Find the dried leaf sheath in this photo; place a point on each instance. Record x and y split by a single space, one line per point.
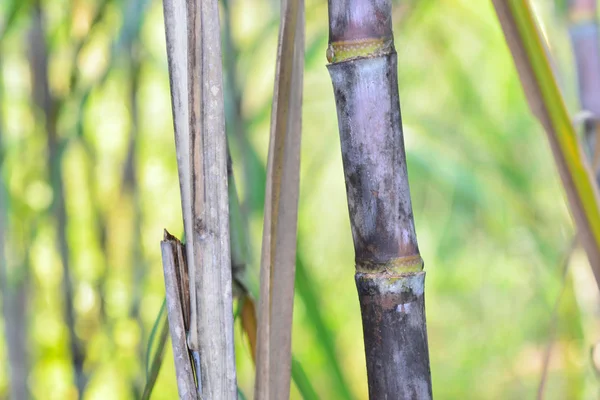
173 262
177 55
176 29
389 274
281 208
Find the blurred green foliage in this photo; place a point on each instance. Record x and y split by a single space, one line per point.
490 212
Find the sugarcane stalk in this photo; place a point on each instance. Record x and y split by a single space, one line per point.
583 31
389 268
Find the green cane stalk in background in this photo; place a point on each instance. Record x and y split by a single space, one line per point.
389 269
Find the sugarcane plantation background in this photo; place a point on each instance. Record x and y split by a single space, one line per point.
89 181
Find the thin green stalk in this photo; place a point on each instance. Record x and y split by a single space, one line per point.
302 382
554 318
157 359
160 320
547 104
